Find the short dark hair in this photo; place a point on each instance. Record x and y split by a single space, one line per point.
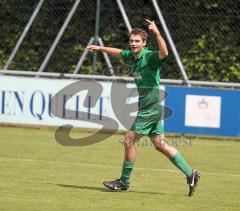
139 31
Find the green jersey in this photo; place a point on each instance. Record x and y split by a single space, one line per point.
146 72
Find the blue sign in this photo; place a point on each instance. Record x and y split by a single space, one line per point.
203 111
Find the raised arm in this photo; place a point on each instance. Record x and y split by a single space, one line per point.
163 53
111 51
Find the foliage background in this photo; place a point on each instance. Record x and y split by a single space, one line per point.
206 34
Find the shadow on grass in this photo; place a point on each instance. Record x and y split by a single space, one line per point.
106 190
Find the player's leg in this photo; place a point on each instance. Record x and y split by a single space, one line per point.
128 164
130 155
162 146
130 139
177 159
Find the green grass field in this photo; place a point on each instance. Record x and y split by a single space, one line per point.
37 173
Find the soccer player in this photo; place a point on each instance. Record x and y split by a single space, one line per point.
146 65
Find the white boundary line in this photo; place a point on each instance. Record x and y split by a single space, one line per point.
106 166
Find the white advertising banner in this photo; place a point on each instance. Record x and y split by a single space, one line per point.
26 100
203 111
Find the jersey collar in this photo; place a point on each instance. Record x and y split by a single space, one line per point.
142 53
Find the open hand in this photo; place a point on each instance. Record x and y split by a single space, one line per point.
93 48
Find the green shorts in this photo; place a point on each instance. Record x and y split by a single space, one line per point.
148 123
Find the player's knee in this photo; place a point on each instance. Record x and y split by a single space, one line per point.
160 145
129 139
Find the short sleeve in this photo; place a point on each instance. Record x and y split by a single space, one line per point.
127 55
155 61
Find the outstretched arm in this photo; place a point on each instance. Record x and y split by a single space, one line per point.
111 51
161 42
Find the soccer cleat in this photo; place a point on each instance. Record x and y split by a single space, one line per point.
192 181
115 185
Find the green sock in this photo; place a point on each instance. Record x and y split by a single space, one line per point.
127 168
179 161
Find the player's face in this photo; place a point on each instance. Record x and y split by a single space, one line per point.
136 43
